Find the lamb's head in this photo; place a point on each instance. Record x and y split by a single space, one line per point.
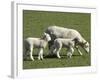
46 36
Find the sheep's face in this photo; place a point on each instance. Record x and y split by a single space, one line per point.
47 36
86 47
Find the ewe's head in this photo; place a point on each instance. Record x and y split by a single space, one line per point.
46 36
86 47
84 44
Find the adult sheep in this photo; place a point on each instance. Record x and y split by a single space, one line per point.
61 32
39 43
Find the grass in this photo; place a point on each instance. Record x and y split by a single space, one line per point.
34 24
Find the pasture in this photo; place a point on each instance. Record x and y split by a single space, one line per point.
35 23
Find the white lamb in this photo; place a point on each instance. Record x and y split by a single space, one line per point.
63 43
61 32
39 43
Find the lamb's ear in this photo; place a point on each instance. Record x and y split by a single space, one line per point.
44 33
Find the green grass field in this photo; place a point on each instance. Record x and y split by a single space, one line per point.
34 24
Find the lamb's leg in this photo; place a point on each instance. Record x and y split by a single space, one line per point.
70 52
31 50
25 54
57 52
77 48
40 56
25 51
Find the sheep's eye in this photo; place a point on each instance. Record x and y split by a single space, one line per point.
86 46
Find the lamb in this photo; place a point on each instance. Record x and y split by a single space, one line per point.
39 43
63 43
61 32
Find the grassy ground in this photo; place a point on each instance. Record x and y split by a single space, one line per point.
34 24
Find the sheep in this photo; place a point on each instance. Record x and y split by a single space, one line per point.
61 32
39 43
63 43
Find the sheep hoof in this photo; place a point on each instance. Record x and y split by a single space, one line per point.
69 56
32 59
59 57
42 59
81 54
39 58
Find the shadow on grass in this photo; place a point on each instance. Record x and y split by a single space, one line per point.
28 58
48 57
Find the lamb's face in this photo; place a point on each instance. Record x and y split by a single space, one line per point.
47 36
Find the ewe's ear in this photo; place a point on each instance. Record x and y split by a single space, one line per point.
75 39
85 43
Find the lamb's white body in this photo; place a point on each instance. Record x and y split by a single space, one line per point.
60 43
39 43
60 32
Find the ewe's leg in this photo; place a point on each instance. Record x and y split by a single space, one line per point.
72 50
50 43
31 50
58 48
53 49
79 50
40 56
